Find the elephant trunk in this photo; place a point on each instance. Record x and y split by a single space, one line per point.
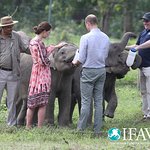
125 39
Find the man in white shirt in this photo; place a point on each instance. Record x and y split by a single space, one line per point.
93 51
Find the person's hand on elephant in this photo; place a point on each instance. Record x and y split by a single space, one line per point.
53 47
73 65
75 62
61 44
50 48
76 57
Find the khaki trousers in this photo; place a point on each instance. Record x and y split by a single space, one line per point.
145 89
11 86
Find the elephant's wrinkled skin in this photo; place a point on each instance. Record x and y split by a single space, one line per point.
116 68
61 73
61 85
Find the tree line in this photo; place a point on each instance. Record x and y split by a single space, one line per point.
115 16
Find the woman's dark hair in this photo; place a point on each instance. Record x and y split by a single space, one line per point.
41 27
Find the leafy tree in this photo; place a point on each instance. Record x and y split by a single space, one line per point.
115 16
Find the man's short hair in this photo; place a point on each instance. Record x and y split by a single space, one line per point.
92 19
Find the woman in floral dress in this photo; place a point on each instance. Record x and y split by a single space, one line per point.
40 80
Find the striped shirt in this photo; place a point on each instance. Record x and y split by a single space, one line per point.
93 49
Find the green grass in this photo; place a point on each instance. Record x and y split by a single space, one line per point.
128 115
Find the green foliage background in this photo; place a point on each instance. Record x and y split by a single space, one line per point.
69 14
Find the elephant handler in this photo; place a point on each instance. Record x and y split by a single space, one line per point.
11 45
145 65
93 50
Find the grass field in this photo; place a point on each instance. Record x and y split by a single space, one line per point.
128 115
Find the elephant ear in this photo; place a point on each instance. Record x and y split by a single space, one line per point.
114 51
52 61
137 62
116 48
25 38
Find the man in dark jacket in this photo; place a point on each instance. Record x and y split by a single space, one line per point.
145 65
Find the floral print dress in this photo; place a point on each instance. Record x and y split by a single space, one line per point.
40 80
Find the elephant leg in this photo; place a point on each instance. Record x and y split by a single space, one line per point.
110 95
73 104
49 115
103 110
112 104
89 121
74 100
78 97
19 104
64 109
79 105
22 114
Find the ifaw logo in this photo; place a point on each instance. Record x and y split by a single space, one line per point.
114 134
130 134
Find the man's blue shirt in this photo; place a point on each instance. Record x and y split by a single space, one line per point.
93 49
144 53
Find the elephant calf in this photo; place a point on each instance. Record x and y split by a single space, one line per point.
61 85
115 68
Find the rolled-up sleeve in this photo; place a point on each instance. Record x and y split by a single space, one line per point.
83 49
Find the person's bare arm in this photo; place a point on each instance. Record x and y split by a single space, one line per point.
130 46
143 46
